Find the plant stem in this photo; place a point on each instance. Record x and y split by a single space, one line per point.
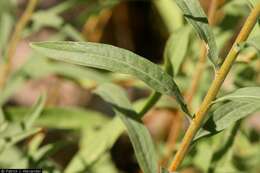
152 100
176 126
6 66
214 88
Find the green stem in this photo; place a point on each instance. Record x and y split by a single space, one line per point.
152 100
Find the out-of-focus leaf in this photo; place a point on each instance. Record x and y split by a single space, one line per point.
10 156
94 145
176 47
46 151
46 19
252 3
227 114
223 149
253 42
113 59
104 164
163 170
195 15
17 131
6 6
242 94
85 76
15 81
139 135
25 124
170 13
14 138
2 117
34 113
62 118
71 32
35 143
6 23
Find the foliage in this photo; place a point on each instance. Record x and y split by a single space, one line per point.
224 142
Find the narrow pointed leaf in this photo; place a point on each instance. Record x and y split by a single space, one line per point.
95 145
58 117
176 47
195 15
242 94
226 115
113 59
138 133
34 113
253 42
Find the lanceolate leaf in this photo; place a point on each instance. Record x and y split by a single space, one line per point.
95 144
113 59
226 115
254 42
139 135
243 94
195 15
34 113
6 23
17 131
176 47
58 118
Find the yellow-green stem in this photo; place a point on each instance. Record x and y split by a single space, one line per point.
196 79
214 88
6 66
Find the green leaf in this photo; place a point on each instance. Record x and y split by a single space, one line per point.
104 164
242 102
227 114
94 145
176 47
62 118
242 94
195 15
163 170
35 143
6 23
15 131
253 42
223 149
42 19
2 117
114 59
139 135
35 112
170 14
252 3
79 74
15 81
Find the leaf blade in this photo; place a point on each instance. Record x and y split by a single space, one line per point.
176 47
195 15
139 135
114 59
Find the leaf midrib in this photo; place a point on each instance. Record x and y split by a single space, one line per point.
114 59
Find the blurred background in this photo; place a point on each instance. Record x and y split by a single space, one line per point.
74 117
